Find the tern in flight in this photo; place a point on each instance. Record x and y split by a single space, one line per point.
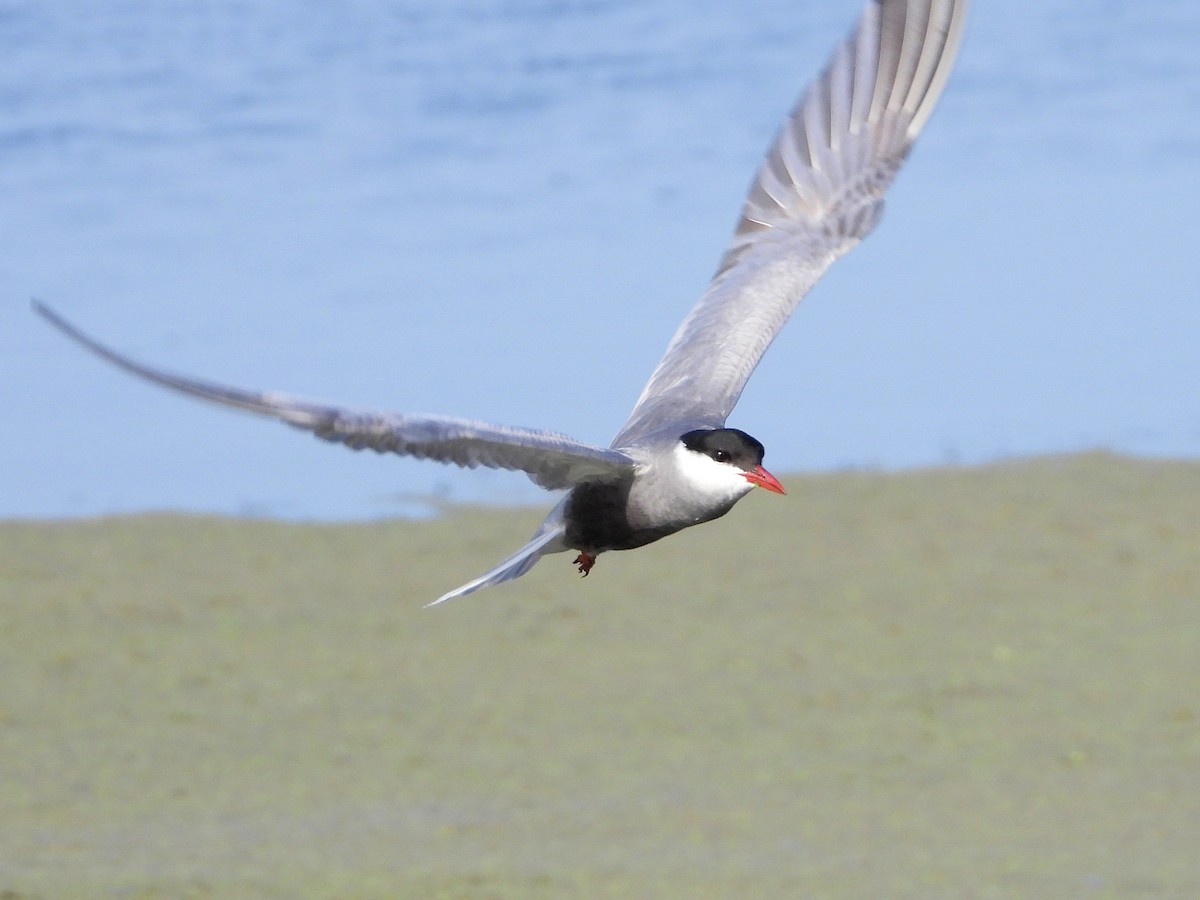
674 463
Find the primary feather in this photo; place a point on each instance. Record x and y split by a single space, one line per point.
818 192
552 460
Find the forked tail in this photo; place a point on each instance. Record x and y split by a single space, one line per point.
548 539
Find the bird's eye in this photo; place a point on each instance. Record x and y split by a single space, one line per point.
722 455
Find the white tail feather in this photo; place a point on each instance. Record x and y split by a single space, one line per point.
548 539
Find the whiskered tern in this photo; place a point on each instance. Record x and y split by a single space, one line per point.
674 463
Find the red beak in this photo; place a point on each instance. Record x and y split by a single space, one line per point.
764 479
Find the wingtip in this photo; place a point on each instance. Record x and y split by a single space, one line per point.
54 319
41 309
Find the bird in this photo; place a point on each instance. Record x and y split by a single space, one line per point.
675 463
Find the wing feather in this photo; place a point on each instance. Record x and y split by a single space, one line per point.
552 460
818 192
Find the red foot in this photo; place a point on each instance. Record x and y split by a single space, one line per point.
585 561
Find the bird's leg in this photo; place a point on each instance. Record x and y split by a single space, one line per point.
585 561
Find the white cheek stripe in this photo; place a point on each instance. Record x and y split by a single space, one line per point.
708 477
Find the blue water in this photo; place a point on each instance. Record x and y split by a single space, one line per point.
502 208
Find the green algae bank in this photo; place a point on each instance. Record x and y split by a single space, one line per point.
974 682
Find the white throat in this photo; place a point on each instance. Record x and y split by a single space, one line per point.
713 481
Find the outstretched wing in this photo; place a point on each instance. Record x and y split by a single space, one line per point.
818 192
552 460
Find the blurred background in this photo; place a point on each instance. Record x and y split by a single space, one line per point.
503 209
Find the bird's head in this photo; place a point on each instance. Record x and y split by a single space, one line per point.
724 461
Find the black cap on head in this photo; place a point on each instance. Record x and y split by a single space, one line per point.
728 445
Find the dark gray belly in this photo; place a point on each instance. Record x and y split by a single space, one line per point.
597 519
